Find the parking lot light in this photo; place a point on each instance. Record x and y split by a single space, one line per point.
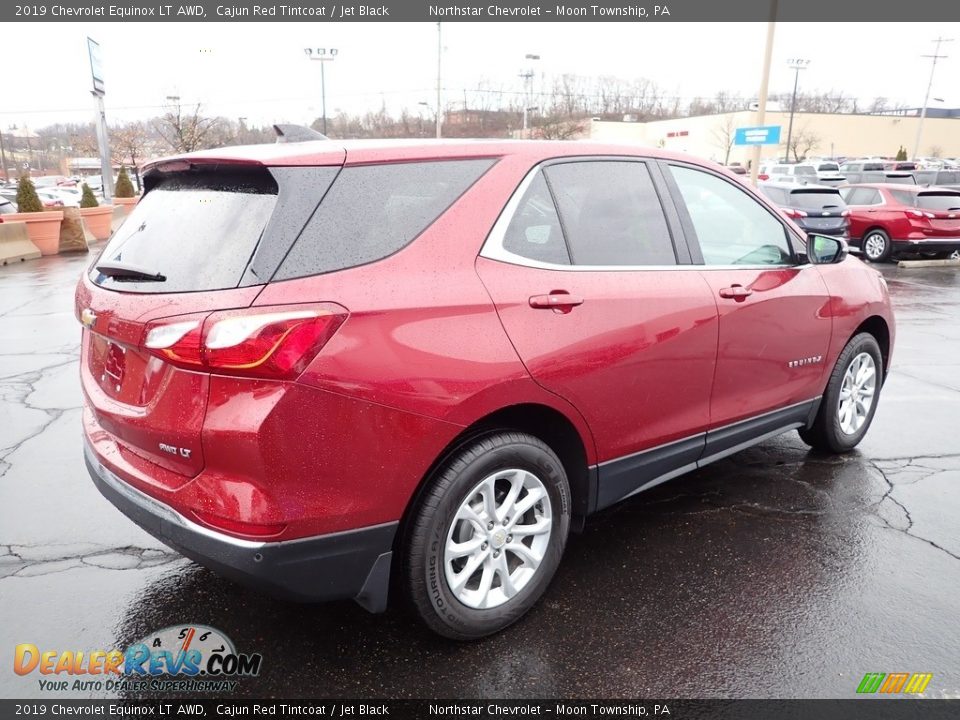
796 64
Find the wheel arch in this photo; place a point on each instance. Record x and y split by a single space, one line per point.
536 419
880 330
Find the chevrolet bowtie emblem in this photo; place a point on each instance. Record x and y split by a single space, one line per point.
88 317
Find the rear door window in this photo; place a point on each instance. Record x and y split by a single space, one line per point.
372 211
197 229
611 213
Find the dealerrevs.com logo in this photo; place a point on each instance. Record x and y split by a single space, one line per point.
180 658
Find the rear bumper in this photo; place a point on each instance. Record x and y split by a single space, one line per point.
352 564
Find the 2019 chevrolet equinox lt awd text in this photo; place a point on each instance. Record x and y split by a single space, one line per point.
320 367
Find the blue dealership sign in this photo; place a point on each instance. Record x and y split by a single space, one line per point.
762 135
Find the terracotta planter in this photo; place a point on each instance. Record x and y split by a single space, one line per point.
98 220
130 202
42 227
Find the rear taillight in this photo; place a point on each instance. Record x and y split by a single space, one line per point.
845 213
919 214
791 213
274 342
763 176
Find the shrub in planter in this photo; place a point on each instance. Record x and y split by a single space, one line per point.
27 199
124 187
88 199
43 226
98 218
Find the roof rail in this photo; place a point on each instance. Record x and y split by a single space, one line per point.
296 133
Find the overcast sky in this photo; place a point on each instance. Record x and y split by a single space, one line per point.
259 70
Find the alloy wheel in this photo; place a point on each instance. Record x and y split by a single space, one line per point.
498 538
856 393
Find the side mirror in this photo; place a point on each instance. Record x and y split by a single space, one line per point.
826 250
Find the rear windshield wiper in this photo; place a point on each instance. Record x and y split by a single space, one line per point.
124 271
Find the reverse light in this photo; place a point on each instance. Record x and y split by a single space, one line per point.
178 342
277 342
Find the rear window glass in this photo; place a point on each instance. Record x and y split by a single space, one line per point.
805 170
941 201
815 199
197 229
901 179
828 167
373 211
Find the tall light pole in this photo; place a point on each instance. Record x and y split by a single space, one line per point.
796 64
439 77
3 159
926 98
324 55
764 84
527 76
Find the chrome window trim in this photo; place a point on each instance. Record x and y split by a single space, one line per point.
493 246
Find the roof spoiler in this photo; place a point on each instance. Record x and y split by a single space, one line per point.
296 133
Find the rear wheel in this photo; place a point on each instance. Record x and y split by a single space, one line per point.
876 245
848 405
487 535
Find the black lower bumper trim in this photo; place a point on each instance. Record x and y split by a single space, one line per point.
352 564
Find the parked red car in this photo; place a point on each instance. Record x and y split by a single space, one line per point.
887 220
318 366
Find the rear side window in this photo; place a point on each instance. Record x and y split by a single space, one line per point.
903 197
372 211
198 229
611 213
534 231
777 195
862 196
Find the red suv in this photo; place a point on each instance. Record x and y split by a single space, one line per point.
319 367
886 220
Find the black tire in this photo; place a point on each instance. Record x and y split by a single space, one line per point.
425 538
879 237
826 434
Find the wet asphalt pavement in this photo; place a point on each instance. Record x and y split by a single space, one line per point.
774 573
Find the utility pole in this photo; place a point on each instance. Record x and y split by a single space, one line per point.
926 98
764 85
797 64
527 76
439 78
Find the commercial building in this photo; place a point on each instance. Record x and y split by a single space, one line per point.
814 134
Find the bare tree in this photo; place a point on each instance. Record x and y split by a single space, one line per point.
723 136
804 140
129 144
186 130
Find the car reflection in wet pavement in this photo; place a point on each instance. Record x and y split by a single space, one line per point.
773 573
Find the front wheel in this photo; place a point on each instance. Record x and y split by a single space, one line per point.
487 535
848 405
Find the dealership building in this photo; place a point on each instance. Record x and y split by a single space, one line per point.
819 134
